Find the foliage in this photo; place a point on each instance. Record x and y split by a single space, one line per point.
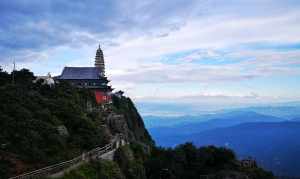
30 114
24 76
131 167
188 161
258 173
4 77
96 170
5 168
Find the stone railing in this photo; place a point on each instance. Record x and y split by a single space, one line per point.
55 169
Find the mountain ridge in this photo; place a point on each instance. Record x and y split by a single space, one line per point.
229 119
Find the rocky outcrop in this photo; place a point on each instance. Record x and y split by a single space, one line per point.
126 120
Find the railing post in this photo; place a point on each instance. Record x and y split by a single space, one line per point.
83 156
117 144
122 142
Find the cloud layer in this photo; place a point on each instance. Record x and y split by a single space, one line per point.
163 48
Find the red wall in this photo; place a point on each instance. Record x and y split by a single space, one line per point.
102 97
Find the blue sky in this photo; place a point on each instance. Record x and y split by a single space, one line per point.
197 52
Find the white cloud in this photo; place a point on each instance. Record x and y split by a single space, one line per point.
207 33
141 33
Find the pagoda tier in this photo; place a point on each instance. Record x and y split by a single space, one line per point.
99 61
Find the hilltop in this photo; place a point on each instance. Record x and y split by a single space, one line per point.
41 125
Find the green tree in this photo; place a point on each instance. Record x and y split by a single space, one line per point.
4 77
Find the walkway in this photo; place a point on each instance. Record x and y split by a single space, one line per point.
58 170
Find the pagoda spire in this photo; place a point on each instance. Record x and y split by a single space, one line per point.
99 60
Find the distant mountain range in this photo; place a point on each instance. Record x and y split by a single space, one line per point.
162 134
273 140
167 121
284 112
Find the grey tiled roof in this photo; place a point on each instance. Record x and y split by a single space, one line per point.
80 73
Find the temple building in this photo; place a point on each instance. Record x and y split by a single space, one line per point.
92 78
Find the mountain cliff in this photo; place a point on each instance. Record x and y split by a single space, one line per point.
42 125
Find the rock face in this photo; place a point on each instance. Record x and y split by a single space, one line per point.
62 130
117 123
128 121
124 118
